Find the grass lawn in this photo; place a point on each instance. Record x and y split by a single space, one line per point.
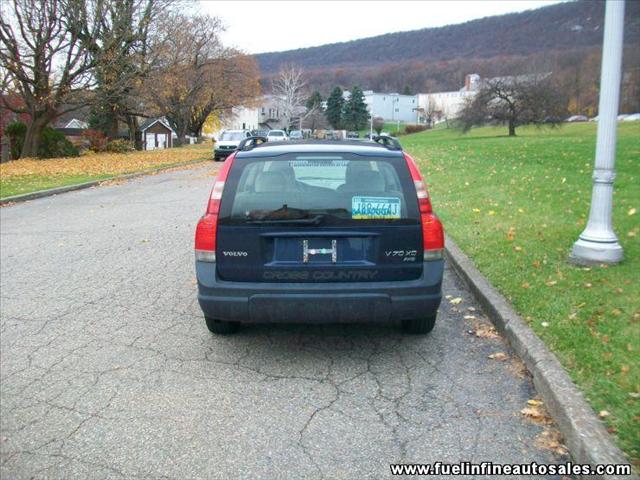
515 206
30 175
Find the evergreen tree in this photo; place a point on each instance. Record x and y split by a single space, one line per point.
314 101
355 111
335 105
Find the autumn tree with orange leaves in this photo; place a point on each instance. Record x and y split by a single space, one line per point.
195 74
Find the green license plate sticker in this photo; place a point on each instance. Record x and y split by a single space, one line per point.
375 207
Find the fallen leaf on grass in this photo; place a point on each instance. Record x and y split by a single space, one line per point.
500 356
632 211
100 163
526 285
603 414
551 283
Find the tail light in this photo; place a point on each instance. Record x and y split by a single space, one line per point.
432 231
205 244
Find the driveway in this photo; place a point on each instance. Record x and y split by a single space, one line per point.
108 371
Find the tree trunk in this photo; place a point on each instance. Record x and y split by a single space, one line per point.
132 124
512 128
33 136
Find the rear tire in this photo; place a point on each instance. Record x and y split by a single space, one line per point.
221 327
419 326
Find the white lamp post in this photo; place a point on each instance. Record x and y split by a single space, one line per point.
598 243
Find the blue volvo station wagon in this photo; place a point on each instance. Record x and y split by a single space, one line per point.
319 232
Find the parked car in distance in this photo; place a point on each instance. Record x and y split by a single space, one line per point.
634 117
296 135
260 133
277 136
228 142
577 118
319 232
353 135
330 135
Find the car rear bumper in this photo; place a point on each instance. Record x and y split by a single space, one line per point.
343 302
222 153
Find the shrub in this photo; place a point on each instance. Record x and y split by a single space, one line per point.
16 132
119 145
414 128
54 144
95 139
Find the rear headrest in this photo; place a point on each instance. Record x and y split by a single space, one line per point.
354 169
282 166
365 181
270 182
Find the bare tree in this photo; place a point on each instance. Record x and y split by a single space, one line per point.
514 101
430 111
42 59
289 88
378 124
120 52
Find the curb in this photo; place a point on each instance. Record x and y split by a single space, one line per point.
80 186
584 434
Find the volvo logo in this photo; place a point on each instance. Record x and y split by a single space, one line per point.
306 251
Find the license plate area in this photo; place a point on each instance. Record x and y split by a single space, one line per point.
322 251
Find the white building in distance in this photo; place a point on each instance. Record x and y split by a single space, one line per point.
392 106
267 115
448 104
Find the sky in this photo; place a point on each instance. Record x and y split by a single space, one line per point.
271 26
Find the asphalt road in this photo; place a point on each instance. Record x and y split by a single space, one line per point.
107 369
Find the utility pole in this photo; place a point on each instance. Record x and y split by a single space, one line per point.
598 242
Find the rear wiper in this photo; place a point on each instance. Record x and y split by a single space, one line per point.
315 220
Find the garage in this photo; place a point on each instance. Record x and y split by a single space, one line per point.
156 134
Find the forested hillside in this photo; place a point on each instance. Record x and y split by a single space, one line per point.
564 38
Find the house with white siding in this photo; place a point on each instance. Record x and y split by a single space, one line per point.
448 104
266 115
392 107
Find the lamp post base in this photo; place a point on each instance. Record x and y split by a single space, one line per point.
587 252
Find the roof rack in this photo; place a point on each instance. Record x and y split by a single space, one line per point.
250 142
388 142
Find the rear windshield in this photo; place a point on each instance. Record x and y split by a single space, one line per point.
276 134
232 136
319 189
